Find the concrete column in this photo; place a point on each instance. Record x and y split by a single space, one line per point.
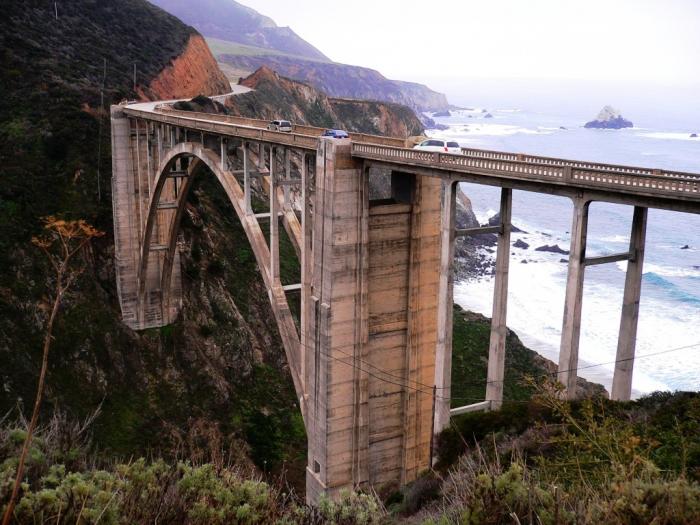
306 266
337 457
246 179
497 343
287 175
261 156
571 326
274 221
443 351
223 153
627 338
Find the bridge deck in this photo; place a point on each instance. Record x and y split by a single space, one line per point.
650 187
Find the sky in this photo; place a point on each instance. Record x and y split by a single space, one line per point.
618 41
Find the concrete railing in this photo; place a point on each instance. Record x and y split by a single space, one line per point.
499 155
590 175
299 129
220 126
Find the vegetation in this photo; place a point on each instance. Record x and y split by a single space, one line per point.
67 484
61 242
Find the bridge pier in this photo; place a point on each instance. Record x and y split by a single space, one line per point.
499 330
627 339
370 367
571 329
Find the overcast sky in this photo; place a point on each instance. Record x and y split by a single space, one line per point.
654 41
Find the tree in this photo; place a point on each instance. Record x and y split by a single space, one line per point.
61 241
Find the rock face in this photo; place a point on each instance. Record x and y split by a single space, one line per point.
275 96
554 248
341 80
193 72
609 118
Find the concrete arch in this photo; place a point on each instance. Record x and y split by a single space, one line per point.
204 159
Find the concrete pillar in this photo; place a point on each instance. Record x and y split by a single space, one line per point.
274 221
571 326
337 457
443 351
497 343
287 175
306 266
627 338
246 178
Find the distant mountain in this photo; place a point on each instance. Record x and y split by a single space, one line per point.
341 80
229 20
243 40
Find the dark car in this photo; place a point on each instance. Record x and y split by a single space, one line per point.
336 134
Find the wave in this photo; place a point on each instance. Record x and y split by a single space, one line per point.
673 291
667 135
494 130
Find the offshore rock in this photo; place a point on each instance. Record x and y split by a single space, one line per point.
609 118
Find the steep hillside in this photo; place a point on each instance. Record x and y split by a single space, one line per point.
341 80
277 97
231 21
245 40
158 389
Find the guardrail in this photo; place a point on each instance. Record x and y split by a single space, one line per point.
519 157
217 125
629 180
296 128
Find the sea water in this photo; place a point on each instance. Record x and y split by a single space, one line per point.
668 342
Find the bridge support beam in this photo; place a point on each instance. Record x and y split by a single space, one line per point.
443 352
627 339
571 326
497 343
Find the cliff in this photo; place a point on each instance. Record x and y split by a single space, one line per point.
341 80
247 40
193 72
275 96
234 22
220 371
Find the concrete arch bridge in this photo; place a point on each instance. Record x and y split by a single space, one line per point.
371 357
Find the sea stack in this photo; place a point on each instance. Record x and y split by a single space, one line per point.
609 118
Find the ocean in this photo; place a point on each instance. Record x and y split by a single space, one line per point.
669 319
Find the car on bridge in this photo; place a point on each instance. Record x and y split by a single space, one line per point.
439 145
336 134
280 125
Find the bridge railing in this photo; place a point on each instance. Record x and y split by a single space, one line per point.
510 166
519 157
299 129
219 126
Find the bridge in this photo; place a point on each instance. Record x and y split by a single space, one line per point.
370 351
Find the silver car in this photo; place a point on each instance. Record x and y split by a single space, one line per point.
442 146
280 125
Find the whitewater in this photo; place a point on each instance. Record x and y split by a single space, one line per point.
669 319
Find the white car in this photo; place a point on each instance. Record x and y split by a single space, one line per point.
442 146
280 125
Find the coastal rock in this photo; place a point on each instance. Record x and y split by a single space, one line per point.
488 115
554 248
563 260
521 244
445 113
609 118
693 135
686 247
495 220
